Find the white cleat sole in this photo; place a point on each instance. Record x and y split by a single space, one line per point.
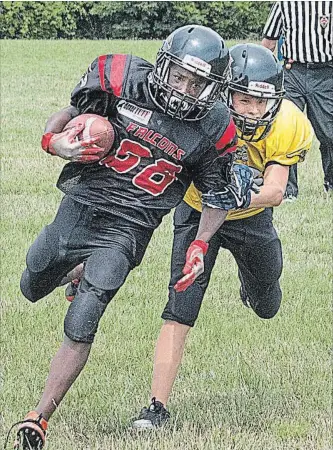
143 424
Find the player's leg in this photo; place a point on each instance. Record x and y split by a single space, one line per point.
65 367
294 83
180 315
48 259
106 270
320 114
259 261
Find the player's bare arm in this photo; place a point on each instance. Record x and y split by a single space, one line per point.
210 221
271 193
56 123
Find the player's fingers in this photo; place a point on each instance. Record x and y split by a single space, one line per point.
255 188
88 142
85 158
90 158
73 132
185 282
91 151
190 265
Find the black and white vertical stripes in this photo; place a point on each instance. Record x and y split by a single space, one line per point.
307 27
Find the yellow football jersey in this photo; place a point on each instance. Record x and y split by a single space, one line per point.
286 143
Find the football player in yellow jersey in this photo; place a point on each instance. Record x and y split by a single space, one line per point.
273 135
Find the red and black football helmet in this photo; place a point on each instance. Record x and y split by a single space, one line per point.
201 51
255 71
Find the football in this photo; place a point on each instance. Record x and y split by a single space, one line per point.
95 127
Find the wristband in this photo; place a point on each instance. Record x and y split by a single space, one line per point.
45 143
202 244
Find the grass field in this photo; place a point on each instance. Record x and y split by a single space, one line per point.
245 383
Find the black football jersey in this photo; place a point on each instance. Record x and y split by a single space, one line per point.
155 157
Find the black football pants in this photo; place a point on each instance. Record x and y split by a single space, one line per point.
110 247
312 86
256 248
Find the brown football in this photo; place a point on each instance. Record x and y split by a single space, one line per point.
95 127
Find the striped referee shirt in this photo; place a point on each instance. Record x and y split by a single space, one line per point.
307 28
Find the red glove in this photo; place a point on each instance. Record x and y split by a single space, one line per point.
66 146
194 265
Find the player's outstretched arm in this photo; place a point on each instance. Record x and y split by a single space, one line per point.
211 220
273 188
235 195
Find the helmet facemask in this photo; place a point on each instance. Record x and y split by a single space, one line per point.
181 105
251 129
257 73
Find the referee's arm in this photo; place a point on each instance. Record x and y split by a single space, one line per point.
273 27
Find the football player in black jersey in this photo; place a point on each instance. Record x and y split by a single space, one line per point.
171 129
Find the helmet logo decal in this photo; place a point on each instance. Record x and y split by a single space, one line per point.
262 86
84 77
198 64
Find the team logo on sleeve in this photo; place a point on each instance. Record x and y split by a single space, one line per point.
84 78
134 112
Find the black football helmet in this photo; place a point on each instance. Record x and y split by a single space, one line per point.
201 51
255 71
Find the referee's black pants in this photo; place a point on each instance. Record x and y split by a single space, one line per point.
312 86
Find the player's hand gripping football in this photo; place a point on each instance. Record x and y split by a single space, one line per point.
194 265
67 146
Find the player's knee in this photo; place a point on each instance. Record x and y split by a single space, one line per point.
268 306
266 313
83 315
184 307
107 268
27 288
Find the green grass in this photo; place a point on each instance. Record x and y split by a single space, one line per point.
244 384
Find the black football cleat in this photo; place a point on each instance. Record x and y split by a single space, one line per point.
31 432
71 289
155 416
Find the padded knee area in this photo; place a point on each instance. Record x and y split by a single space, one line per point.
184 307
107 268
85 312
44 250
32 291
268 306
